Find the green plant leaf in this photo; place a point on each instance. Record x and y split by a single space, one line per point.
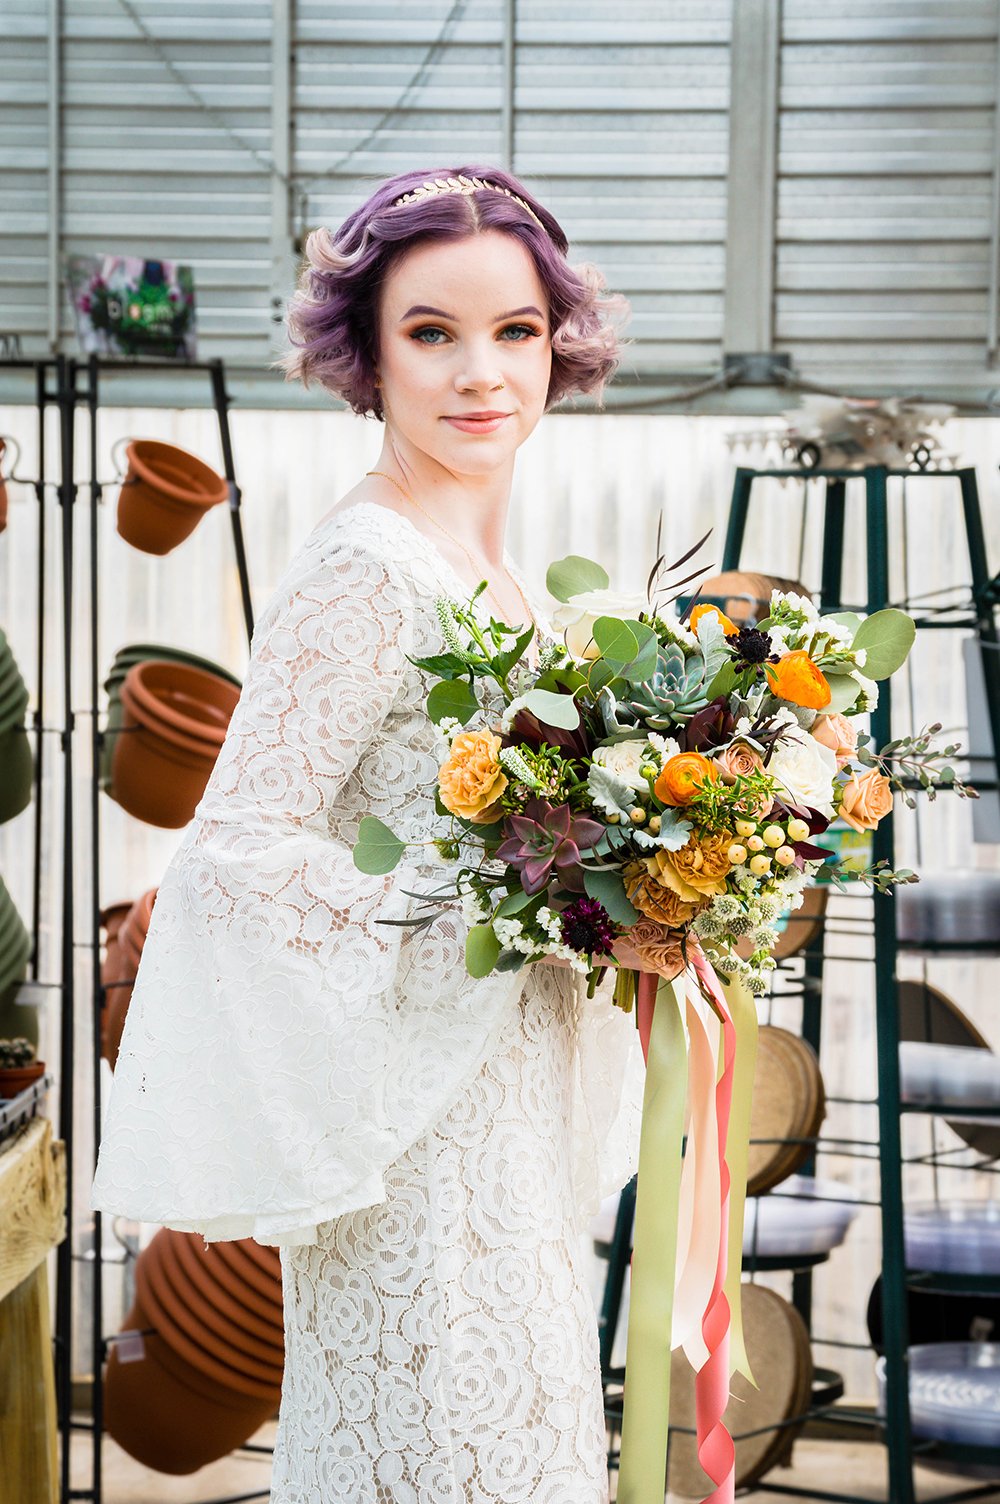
552 709
504 662
575 575
515 902
643 664
452 697
445 665
724 682
377 850
610 792
482 949
608 889
846 618
887 637
844 691
511 960
618 641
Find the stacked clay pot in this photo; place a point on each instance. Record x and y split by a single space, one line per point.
3 487
174 721
125 658
165 494
17 766
126 926
17 1020
214 1352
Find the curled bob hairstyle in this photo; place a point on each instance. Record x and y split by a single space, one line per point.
332 317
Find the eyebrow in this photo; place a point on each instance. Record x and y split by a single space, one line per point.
424 308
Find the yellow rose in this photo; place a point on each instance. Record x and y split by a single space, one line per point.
699 868
471 779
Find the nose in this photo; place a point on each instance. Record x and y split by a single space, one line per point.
480 371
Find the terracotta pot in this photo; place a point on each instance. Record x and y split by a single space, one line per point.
166 1415
124 660
189 700
17 1020
255 1288
228 1335
174 725
221 1285
15 1078
17 772
165 495
175 1324
134 928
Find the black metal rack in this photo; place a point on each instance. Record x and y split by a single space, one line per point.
79 384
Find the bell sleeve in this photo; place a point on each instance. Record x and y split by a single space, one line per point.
283 1045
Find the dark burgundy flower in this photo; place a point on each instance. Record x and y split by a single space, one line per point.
588 927
548 836
751 647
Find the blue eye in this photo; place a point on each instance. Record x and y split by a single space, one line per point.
527 330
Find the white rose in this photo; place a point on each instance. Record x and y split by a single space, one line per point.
575 619
624 759
805 769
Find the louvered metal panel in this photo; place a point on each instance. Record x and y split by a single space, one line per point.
620 126
886 235
24 164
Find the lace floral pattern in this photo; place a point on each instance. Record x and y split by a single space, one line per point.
425 1146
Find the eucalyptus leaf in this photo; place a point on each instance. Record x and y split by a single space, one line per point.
510 960
600 674
552 709
482 949
575 575
846 618
887 637
619 641
377 850
607 887
844 691
643 665
452 697
514 903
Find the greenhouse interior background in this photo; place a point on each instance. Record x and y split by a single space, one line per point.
801 203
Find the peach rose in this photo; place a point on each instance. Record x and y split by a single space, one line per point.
797 679
866 800
738 761
836 732
660 949
701 866
471 779
657 902
682 776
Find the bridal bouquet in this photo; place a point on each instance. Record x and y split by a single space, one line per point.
654 781
651 795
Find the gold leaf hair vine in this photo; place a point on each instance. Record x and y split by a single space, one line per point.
461 184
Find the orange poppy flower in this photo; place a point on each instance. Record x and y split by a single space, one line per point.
703 609
797 679
682 776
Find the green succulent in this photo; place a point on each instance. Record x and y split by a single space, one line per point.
672 694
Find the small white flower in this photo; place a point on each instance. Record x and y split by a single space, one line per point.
665 745
869 690
799 603
860 656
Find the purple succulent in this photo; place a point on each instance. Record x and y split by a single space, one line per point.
588 927
548 836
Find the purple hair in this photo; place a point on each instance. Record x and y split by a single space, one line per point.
332 316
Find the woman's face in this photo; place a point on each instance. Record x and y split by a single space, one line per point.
456 319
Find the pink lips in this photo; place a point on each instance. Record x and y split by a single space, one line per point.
488 423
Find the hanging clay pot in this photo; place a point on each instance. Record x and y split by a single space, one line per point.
118 972
166 1414
228 1336
174 724
250 1284
165 494
125 658
217 1283
112 973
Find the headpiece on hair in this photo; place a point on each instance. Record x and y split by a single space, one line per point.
461 184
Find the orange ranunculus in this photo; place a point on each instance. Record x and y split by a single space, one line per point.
682 776
703 609
796 678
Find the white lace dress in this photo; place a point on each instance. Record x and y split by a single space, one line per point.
425 1147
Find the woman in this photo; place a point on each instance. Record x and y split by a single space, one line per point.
425 1147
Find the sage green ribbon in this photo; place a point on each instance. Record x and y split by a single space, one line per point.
646 1417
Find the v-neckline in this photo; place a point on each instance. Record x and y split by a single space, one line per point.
444 564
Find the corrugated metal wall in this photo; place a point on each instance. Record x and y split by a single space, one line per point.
855 200
885 253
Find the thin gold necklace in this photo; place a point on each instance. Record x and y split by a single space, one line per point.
459 544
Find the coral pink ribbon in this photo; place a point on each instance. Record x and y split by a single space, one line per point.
700 1280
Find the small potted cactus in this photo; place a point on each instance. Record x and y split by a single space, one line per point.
18 1067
